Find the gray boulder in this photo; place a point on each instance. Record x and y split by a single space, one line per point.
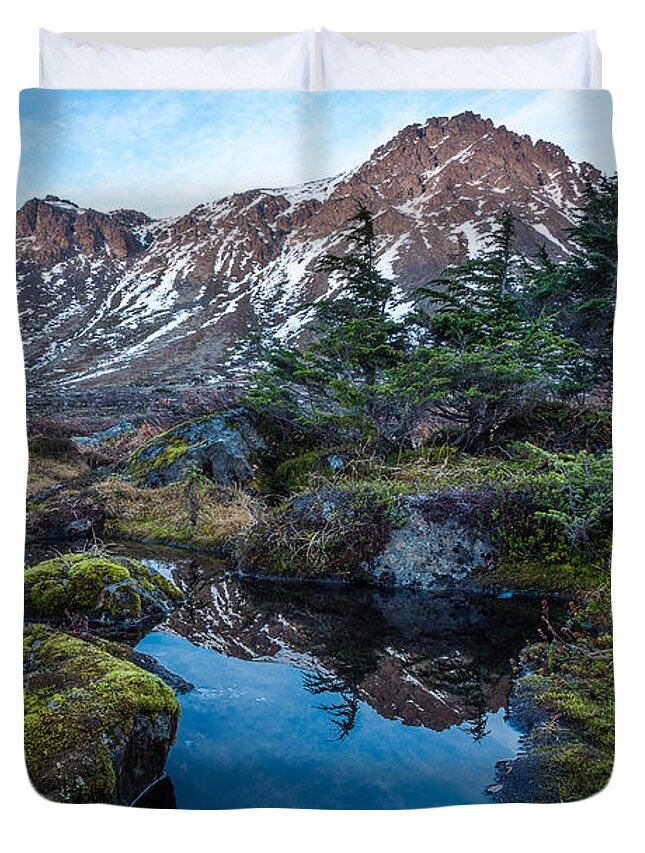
102 437
220 446
431 541
437 547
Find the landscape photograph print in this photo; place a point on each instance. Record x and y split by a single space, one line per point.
319 389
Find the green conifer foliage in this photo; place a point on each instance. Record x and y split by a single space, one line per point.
337 382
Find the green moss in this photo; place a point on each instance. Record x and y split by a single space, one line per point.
569 764
571 680
166 448
578 771
297 473
577 574
88 578
91 585
160 452
45 590
80 705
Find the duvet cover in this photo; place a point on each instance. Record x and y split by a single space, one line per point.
319 416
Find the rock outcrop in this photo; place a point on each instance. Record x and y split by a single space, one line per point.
427 541
58 229
221 447
104 437
97 727
433 549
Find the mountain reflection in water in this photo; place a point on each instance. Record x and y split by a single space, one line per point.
336 697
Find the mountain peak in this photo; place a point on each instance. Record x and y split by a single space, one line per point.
52 229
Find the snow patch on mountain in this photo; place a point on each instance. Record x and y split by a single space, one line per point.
474 238
388 256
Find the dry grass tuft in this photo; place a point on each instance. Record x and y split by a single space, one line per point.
198 513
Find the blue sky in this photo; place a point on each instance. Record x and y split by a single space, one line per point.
165 152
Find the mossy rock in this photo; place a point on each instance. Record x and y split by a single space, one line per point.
221 447
113 594
295 474
564 704
566 756
97 727
105 436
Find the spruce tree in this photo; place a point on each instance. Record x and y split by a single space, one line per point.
337 383
581 292
487 356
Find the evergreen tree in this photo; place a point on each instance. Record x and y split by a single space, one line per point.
480 301
337 382
487 356
581 292
353 333
491 338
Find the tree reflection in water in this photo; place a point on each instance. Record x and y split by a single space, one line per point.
477 726
341 714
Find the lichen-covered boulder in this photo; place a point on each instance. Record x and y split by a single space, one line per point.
439 545
219 446
112 594
97 727
105 436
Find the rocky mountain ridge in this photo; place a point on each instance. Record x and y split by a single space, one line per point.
118 298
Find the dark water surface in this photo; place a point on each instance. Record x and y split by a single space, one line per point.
329 697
